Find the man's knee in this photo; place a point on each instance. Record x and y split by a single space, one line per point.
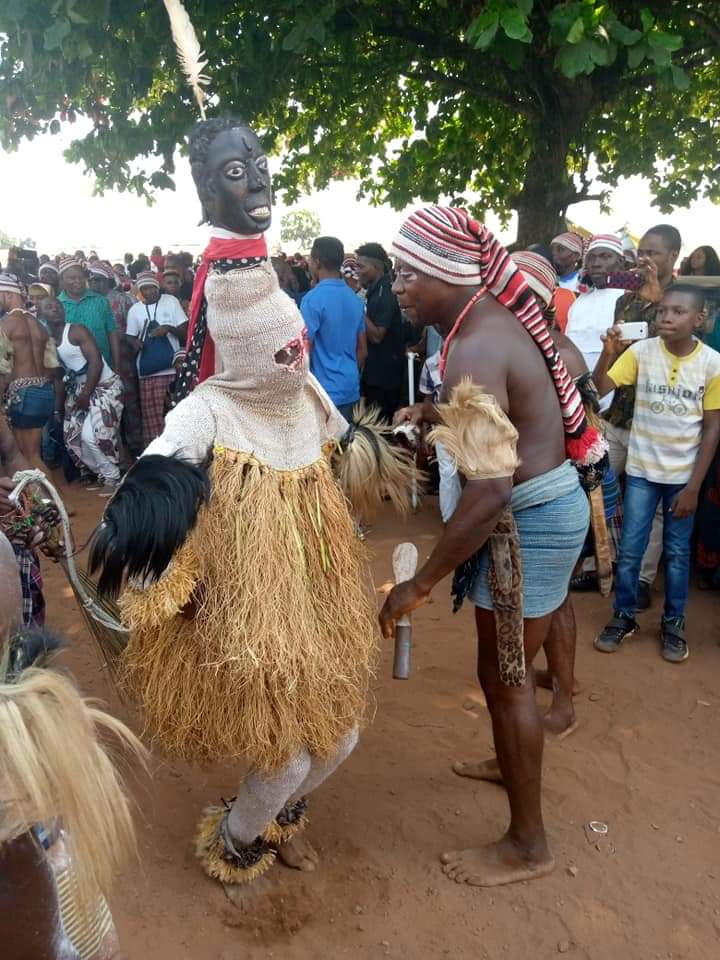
496 692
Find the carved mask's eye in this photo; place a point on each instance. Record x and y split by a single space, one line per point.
235 170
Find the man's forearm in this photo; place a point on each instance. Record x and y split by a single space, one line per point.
600 374
59 390
430 413
475 518
375 334
93 376
114 338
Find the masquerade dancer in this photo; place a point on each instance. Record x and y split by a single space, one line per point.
514 422
249 600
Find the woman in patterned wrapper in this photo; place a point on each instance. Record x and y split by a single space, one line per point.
248 595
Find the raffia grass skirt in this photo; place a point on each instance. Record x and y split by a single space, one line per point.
276 649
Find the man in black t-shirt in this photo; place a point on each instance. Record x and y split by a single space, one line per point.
383 376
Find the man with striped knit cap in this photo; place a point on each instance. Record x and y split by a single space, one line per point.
567 254
514 423
594 310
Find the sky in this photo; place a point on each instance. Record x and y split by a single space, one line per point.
52 202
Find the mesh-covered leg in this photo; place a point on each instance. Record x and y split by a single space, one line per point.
320 770
260 798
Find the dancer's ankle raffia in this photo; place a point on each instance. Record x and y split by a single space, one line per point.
289 822
222 858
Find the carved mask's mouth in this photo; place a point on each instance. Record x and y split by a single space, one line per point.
259 213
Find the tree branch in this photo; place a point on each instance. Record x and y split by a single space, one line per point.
457 84
582 195
439 46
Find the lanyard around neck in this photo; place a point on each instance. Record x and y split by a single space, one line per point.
149 318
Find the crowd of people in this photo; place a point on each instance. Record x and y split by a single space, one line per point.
92 350
120 331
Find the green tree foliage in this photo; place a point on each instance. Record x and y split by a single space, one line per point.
507 99
300 227
6 242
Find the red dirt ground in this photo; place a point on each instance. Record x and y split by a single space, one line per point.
644 761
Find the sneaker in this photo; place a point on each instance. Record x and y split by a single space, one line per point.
674 646
108 489
644 596
614 633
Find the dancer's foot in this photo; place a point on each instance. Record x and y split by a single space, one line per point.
225 859
560 721
497 864
484 770
299 854
543 678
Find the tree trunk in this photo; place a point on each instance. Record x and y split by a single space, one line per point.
546 193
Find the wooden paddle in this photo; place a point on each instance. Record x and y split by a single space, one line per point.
404 562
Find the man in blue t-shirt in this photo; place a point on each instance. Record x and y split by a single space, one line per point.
335 321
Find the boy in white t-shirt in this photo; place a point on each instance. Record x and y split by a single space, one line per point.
673 438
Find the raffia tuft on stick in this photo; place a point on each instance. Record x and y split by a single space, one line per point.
278 652
370 468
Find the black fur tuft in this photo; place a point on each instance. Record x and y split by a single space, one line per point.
147 520
31 647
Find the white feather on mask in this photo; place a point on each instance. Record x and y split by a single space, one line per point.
190 55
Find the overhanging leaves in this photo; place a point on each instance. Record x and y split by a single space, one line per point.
416 98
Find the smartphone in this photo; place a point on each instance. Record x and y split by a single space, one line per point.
635 331
625 280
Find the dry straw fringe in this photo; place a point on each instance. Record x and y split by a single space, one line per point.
275 650
477 433
369 468
52 764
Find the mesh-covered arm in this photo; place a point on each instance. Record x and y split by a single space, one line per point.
189 432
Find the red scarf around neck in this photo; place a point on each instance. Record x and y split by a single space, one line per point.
217 249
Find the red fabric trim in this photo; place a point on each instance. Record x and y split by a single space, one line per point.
217 249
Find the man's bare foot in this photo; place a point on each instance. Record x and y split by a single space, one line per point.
560 722
496 864
299 854
543 678
484 770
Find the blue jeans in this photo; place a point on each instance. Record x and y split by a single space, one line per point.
641 500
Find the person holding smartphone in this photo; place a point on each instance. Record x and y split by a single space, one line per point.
594 310
658 251
673 439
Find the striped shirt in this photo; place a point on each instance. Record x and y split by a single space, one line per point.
672 394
